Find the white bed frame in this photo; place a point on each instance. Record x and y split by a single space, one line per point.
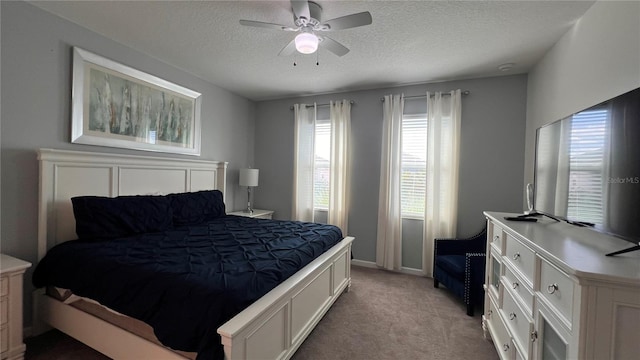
271 328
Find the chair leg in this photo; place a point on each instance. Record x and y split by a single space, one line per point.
470 309
435 283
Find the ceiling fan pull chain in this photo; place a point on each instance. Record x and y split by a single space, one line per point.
317 58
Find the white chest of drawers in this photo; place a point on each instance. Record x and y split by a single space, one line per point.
551 293
11 273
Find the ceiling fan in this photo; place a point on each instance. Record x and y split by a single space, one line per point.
307 16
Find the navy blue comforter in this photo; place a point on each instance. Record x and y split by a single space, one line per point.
188 281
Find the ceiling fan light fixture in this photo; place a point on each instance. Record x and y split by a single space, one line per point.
306 43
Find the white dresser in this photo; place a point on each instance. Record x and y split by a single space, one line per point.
551 293
257 213
11 342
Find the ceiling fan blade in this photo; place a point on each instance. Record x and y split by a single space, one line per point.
300 9
333 46
266 25
289 49
349 21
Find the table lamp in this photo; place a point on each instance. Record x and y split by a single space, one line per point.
249 178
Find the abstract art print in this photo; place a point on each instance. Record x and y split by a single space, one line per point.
118 106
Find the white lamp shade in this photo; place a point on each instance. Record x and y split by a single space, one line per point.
306 43
249 177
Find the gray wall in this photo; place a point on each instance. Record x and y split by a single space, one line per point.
597 59
492 153
36 89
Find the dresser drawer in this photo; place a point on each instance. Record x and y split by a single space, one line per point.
4 338
499 333
557 288
522 258
522 291
496 236
4 311
520 324
4 286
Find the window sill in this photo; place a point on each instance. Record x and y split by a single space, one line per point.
416 218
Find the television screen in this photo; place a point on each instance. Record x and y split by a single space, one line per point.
588 167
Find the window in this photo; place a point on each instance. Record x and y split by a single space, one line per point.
321 163
586 155
322 160
414 166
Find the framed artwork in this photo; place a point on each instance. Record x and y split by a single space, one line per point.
118 106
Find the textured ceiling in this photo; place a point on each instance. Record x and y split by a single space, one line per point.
408 42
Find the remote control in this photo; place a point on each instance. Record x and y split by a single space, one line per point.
517 218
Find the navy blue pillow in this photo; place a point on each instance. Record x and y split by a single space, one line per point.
99 217
196 207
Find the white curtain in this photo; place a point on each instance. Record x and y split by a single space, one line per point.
305 122
340 115
443 146
389 242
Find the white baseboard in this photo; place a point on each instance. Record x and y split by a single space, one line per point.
412 271
372 265
362 263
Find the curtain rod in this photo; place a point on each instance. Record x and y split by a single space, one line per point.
463 92
350 102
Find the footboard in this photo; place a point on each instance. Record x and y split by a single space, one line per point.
275 326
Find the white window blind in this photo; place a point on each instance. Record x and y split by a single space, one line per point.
586 180
414 166
321 165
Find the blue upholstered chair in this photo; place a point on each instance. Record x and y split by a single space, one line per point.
459 264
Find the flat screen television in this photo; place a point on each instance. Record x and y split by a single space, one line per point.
587 168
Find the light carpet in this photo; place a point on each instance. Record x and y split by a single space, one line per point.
386 315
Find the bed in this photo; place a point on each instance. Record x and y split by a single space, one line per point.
271 327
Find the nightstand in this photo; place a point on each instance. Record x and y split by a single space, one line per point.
11 341
257 213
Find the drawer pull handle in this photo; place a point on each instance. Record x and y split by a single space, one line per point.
505 347
534 336
552 288
516 256
496 238
514 285
512 316
489 312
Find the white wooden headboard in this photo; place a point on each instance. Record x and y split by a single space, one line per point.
65 174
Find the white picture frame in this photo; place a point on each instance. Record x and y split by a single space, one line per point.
117 106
